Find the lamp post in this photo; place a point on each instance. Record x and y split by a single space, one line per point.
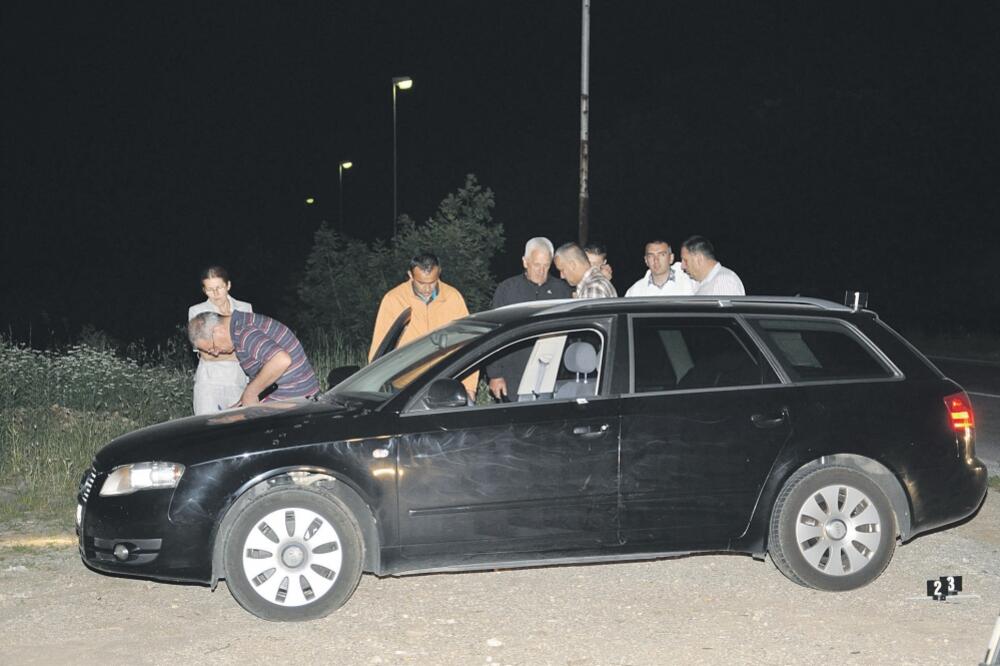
584 218
401 83
340 178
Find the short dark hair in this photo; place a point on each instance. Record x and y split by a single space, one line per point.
596 247
573 252
700 245
425 261
658 241
215 272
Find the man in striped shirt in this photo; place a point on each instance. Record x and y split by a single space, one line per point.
267 350
575 268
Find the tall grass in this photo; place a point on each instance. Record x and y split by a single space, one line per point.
327 352
57 408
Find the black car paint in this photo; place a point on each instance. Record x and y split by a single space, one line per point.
614 477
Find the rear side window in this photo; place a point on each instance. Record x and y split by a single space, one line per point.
812 350
677 354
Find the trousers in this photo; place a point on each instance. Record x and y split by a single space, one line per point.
217 385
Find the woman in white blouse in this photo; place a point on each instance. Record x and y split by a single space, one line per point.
218 381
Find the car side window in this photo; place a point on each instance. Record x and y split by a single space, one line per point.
675 355
812 350
560 365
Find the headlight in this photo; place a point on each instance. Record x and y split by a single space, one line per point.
141 476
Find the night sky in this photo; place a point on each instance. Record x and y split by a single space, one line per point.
821 146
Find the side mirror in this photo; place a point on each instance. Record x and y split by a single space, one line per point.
445 393
339 374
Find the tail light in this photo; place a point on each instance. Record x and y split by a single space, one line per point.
960 411
963 422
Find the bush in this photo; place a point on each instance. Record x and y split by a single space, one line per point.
345 278
58 408
87 379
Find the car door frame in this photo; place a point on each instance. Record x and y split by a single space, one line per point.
602 445
689 503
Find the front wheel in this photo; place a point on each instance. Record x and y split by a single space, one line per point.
832 529
293 554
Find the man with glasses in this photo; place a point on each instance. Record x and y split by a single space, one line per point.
267 350
663 277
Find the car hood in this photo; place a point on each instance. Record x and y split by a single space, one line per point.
199 438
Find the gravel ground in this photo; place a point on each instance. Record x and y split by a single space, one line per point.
709 609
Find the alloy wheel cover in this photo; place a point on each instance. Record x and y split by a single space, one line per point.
292 557
838 530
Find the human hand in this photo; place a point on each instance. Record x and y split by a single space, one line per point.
249 397
498 387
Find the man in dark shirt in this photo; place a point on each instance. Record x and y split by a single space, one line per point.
534 284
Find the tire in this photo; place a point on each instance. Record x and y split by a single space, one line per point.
832 529
293 554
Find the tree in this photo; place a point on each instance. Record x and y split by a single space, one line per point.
346 278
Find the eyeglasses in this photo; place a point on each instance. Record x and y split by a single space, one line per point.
214 290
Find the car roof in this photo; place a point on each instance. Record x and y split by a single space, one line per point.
664 304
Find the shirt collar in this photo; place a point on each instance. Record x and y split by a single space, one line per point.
431 298
548 279
670 278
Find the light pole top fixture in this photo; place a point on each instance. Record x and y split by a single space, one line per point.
346 165
402 82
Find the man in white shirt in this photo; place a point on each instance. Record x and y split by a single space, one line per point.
664 278
698 260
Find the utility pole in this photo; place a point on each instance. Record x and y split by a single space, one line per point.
584 126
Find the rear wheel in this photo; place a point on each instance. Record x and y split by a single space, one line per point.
293 554
832 529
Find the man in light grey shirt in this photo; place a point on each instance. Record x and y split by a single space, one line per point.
698 260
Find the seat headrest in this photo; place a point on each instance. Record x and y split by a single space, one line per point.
580 357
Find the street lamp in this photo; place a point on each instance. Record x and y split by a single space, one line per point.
401 83
340 178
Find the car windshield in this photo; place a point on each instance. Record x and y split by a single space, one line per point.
394 371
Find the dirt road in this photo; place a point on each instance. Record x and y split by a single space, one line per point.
714 609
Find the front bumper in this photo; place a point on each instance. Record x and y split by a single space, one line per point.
133 535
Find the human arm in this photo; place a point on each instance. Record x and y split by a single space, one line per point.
269 373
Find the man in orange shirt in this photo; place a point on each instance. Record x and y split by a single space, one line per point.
432 304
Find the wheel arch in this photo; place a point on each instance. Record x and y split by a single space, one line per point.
879 473
322 480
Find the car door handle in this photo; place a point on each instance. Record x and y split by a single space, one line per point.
591 431
764 422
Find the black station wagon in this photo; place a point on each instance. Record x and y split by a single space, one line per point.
639 428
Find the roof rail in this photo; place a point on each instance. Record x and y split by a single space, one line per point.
719 301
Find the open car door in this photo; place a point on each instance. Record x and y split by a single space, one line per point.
392 336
